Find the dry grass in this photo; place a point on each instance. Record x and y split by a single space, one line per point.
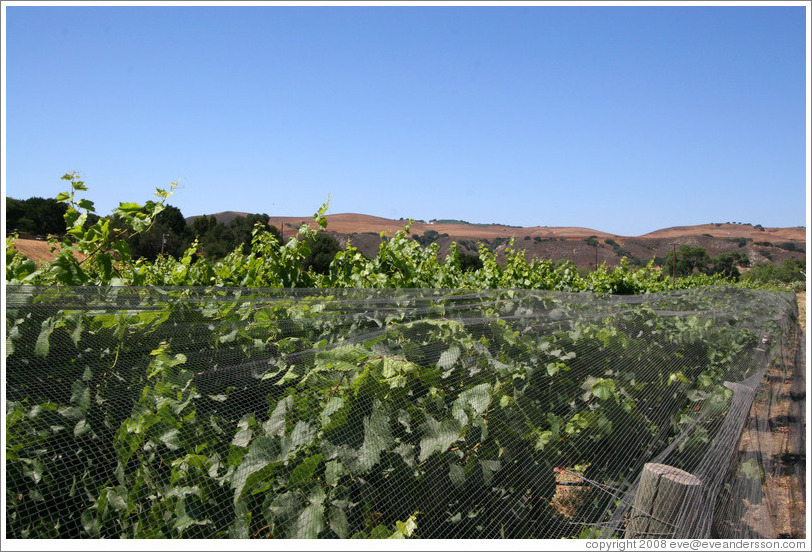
572 492
347 223
733 231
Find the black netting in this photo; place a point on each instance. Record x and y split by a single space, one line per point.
203 413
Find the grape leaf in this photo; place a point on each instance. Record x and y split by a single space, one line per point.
438 436
377 437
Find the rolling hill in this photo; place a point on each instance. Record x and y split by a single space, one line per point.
582 246
349 223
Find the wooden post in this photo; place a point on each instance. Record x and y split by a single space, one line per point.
665 497
674 268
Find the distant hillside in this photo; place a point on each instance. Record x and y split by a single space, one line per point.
225 217
349 223
733 230
580 245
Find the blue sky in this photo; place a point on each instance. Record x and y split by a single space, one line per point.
621 119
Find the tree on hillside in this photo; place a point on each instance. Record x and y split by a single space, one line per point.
36 216
201 225
323 249
218 241
172 219
692 259
688 259
728 264
428 237
243 228
791 270
16 216
169 235
470 262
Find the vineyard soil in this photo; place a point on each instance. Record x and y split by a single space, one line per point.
777 425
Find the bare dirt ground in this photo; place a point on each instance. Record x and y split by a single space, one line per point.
39 251
776 435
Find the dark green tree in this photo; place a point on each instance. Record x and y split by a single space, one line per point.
728 264
323 249
35 215
169 235
470 262
428 237
791 270
243 228
16 216
200 225
172 219
689 259
218 241
48 215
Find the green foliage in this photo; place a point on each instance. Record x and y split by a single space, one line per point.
216 239
469 262
790 246
727 264
791 270
35 216
124 249
323 249
349 439
243 229
692 260
169 235
97 253
688 259
328 435
428 237
401 262
619 251
741 242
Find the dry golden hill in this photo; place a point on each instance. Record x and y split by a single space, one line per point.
355 223
554 243
349 223
731 230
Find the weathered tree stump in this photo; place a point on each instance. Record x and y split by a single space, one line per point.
665 497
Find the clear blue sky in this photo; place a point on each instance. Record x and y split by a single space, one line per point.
621 119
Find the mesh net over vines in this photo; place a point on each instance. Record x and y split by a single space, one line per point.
267 413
